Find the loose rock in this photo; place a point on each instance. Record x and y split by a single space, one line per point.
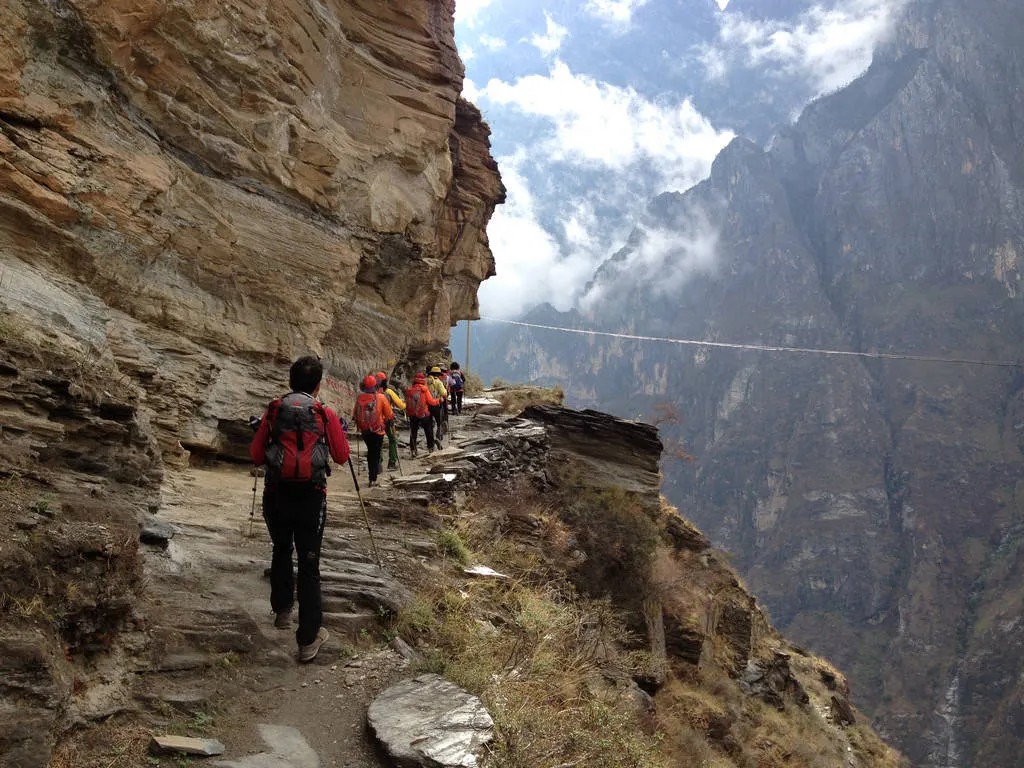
430 721
157 534
162 745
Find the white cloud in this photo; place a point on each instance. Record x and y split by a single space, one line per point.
715 62
829 47
492 43
722 4
467 53
616 12
600 154
552 38
531 267
469 90
597 124
660 258
468 11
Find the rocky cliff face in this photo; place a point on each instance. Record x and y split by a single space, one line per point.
192 194
874 506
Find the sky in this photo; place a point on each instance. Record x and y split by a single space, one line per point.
596 106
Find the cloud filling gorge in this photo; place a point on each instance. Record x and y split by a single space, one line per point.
661 257
599 129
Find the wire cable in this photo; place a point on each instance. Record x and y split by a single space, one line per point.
765 348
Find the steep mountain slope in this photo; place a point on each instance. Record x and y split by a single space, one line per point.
874 506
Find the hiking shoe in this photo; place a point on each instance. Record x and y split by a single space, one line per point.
283 620
308 652
392 467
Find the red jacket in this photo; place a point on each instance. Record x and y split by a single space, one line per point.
336 440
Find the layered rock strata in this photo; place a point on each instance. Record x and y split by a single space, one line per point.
191 195
200 192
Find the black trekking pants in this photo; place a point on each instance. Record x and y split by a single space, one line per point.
295 514
457 401
437 414
427 422
374 449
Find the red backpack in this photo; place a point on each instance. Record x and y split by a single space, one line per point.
298 450
416 402
369 414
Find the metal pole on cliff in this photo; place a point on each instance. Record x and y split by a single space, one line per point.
366 518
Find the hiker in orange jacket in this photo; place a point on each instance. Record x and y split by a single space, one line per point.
418 404
371 414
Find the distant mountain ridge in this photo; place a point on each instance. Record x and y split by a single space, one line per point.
876 507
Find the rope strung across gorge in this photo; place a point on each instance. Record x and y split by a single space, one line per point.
764 348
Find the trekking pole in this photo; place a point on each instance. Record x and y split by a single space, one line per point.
366 518
252 512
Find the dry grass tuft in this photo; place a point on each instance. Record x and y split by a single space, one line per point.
115 744
516 398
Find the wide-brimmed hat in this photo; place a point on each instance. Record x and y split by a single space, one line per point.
435 369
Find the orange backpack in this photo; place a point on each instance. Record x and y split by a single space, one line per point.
416 402
369 413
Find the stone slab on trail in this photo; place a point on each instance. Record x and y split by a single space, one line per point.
429 721
288 748
184 745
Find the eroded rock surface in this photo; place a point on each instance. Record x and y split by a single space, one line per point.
197 193
191 195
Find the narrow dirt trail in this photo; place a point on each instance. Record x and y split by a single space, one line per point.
215 649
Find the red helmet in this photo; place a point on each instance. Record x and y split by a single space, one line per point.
370 383
420 378
381 376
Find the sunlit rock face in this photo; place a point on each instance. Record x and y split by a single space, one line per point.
194 193
875 506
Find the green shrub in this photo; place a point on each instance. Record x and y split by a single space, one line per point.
450 543
619 538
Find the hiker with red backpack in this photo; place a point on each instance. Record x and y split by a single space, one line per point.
371 413
295 439
418 403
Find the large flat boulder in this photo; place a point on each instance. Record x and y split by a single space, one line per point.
429 721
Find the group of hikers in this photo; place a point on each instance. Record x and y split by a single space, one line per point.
426 405
296 438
